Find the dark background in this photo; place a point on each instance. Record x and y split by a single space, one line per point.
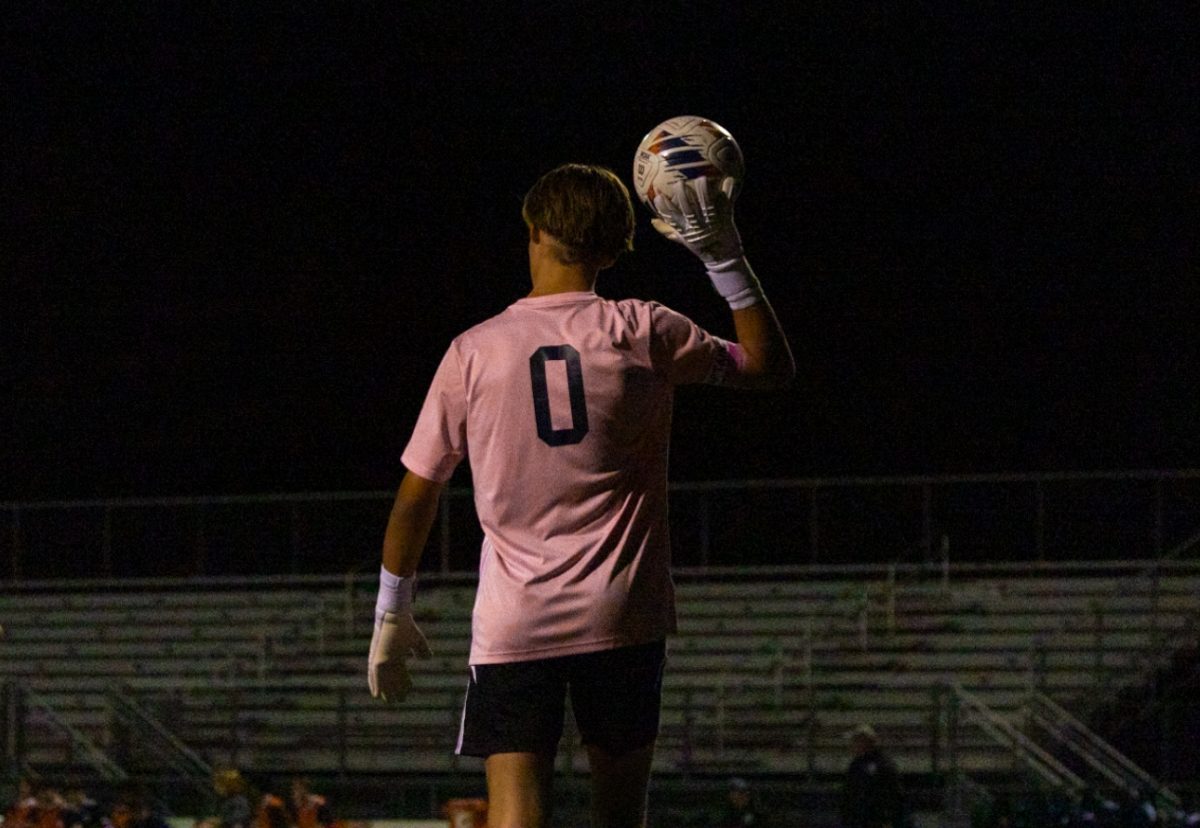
237 241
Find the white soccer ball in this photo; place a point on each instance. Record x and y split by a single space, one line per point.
683 149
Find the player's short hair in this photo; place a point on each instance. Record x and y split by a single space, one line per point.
586 207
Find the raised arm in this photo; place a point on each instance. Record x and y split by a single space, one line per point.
699 215
768 357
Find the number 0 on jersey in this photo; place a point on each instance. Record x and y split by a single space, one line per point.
541 395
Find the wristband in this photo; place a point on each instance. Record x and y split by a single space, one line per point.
736 282
395 593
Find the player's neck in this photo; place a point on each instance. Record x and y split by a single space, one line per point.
550 274
552 277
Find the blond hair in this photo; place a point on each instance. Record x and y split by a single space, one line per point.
586 208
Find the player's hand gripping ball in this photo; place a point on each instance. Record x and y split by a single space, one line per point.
689 170
699 215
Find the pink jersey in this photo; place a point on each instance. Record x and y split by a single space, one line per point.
563 405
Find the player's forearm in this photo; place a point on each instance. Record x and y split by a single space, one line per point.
412 517
768 357
766 360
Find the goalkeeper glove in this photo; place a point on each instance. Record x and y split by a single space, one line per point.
396 639
700 217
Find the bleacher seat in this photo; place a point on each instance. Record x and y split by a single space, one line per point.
769 672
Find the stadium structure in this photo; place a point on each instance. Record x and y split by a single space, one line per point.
1010 638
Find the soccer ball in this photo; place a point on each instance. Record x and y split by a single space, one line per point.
682 149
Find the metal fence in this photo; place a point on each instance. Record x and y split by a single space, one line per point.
922 519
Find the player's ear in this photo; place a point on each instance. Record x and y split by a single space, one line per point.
534 235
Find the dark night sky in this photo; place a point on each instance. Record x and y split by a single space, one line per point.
237 242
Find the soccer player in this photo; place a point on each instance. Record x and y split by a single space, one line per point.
562 403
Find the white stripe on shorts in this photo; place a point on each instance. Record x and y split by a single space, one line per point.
462 722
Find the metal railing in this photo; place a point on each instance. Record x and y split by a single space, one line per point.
873 520
154 738
22 704
1081 741
965 708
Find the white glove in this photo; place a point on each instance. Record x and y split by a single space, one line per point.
700 217
396 639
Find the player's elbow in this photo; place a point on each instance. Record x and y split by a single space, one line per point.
770 374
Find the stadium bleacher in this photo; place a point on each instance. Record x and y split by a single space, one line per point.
766 674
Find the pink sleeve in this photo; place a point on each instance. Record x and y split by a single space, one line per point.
686 353
439 440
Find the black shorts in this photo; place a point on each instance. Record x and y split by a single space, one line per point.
519 707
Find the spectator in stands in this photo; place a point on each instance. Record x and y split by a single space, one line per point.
81 810
23 811
120 815
740 807
133 809
268 810
272 812
309 810
872 796
235 811
50 808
